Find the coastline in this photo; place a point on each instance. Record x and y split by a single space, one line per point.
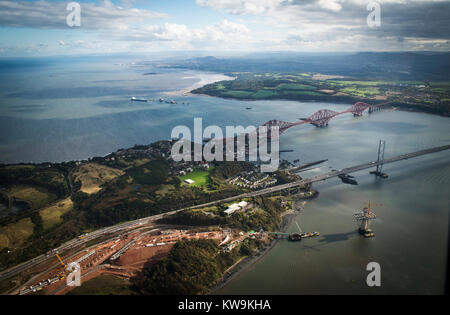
203 81
400 106
242 265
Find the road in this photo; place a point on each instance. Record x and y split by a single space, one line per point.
77 242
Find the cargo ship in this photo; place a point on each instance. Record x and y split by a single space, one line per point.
294 237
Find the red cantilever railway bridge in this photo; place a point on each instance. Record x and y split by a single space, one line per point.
322 117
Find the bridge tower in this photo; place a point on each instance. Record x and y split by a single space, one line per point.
380 160
381 147
364 217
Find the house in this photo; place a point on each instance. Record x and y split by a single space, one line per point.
189 181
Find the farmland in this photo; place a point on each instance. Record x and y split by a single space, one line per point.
421 95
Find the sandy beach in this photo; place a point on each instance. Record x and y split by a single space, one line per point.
205 79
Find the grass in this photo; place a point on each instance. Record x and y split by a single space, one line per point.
295 86
52 216
296 92
104 285
361 92
19 167
263 94
200 178
15 234
152 173
140 162
38 196
93 175
164 190
238 94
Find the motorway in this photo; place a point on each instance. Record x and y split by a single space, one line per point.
124 226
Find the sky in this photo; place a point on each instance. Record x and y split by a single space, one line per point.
40 28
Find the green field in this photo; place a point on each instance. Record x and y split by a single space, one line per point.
201 178
37 196
264 94
52 215
361 91
15 234
295 86
237 94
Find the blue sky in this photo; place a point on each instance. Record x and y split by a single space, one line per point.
38 27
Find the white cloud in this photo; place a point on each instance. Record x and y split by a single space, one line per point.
225 34
45 14
333 5
242 7
275 25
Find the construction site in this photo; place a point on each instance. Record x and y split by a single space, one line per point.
123 255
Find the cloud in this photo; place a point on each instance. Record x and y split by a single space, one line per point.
333 5
342 24
52 15
241 7
224 34
312 25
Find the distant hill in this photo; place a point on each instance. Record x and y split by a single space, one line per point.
364 65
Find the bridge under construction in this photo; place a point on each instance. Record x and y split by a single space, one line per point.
95 234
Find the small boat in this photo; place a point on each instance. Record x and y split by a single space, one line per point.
134 99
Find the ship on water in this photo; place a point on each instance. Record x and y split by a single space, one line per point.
134 99
294 237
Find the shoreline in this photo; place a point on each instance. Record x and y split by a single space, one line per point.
203 81
400 106
244 264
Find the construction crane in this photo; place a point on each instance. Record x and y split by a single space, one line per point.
62 274
364 217
299 236
298 227
295 236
